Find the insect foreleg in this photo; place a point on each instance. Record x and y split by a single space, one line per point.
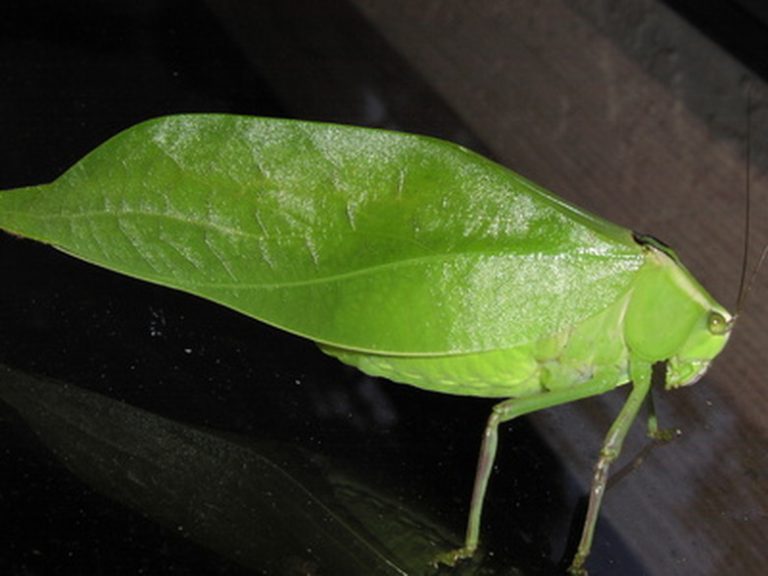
660 435
641 385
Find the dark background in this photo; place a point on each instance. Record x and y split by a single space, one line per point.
73 74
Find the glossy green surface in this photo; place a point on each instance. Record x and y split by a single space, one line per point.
663 316
363 239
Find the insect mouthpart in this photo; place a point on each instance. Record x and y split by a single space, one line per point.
685 372
698 375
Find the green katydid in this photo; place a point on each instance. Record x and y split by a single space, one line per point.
408 257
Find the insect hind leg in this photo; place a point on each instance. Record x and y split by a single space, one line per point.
500 413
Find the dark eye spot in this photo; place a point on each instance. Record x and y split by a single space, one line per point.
717 324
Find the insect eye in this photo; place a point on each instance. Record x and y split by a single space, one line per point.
717 323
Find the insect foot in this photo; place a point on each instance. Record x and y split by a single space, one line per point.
453 557
665 435
577 566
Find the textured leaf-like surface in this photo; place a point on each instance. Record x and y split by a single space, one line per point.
363 239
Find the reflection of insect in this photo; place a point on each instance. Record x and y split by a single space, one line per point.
408 257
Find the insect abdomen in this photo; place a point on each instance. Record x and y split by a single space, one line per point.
488 374
593 350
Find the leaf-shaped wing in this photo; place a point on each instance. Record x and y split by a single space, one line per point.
363 239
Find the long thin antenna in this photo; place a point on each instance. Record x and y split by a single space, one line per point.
747 204
748 289
745 286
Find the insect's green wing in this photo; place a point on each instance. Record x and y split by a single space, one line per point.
364 239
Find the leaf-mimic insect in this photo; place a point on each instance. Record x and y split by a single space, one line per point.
408 257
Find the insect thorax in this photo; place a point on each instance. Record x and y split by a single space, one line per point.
671 317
